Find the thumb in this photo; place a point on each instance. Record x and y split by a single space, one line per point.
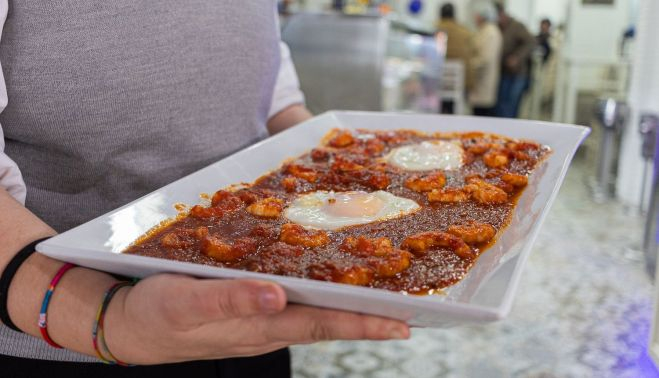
206 300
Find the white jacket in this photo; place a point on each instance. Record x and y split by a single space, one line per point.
487 66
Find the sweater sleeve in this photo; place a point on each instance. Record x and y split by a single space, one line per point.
10 176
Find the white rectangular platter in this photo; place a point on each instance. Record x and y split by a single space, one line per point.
484 295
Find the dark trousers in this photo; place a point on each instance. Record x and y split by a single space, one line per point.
276 364
511 89
446 107
484 112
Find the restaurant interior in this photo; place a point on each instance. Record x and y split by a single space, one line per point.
586 298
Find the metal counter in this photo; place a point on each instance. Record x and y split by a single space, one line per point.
364 63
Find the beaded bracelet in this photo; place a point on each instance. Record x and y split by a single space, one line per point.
43 321
98 336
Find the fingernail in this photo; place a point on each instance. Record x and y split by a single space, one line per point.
268 300
398 333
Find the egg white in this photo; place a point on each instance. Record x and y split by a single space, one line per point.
311 210
428 155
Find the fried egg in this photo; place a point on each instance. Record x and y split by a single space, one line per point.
428 155
334 210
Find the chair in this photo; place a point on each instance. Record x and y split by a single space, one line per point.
452 85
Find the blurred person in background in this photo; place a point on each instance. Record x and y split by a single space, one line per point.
284 7
486 63
518 44
460 46
549 46
543 39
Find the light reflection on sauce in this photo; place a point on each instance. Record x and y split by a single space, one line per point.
181 207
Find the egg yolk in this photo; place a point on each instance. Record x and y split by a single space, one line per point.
353 204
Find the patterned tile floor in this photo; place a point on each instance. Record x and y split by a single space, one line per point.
583 310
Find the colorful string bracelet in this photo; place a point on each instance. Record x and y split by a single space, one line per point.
98 336
43 321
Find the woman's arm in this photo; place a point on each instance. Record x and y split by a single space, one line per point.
287 108
166 318
68 323
288 117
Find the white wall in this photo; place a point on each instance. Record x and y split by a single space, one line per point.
643 97
595 31
522 10
554 10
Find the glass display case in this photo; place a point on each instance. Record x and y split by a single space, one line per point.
364 62
413 71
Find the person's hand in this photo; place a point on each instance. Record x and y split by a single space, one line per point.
172 318
512 62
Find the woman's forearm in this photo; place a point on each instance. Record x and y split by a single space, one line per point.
288 117
72 308
73 305
18 227
166 318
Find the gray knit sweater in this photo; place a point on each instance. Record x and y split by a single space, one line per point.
109 100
